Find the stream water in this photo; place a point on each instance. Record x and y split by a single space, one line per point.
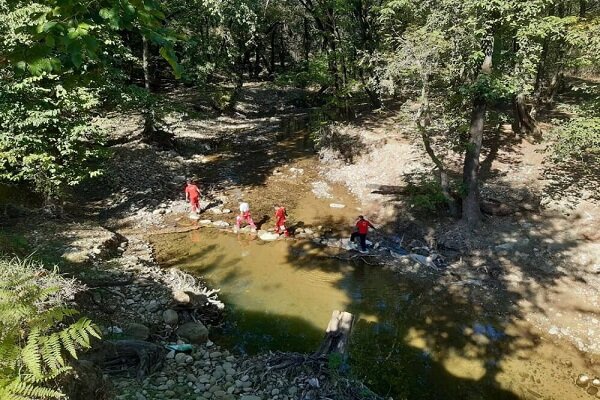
414 338
411 339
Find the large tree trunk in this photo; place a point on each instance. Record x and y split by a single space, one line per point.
471 212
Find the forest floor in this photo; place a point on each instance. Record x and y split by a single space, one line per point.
537 268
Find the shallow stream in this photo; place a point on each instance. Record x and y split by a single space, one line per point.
413 339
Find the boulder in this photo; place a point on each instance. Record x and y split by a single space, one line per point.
170 317
194 332
137 331
268 236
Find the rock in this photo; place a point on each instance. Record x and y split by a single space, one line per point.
274 392
152 306
139 396
180 358
194 332
336 205
250 397
158 211
170 355
170 317
267 236
220 224
216 211
181 297
505 246
137 331
179 179
226 211
582 380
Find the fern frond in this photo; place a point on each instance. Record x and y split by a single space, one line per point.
30 355
29 390
67 342
51 351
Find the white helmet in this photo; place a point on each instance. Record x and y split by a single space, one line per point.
244 207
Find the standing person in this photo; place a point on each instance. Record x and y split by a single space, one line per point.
280 218
362 228
192 195
244 217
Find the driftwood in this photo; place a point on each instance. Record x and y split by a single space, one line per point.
119 356
337 334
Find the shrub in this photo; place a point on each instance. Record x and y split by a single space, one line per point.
36 335
577 139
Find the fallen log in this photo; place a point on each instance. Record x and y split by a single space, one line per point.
337 334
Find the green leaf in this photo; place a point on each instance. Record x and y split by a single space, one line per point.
168 54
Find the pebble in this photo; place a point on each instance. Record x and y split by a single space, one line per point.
180 358
337 205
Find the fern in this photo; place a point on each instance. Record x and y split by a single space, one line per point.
36 337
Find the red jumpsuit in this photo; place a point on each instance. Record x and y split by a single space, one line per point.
280 218
192 193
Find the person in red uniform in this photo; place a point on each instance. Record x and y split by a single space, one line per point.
362 228
244 216
280 218
192 195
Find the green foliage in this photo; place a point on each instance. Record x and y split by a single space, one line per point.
578 139
335 361
426 195
57 60
36 337
46 133
315 72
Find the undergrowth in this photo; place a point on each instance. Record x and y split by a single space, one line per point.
38 331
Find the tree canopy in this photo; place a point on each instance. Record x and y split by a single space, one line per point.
468 63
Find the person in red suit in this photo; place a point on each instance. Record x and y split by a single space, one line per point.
192 195
280 218
362 229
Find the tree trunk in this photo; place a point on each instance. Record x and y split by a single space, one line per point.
306 40
273 50
523 118
423 121
582 8
149 116
471 212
